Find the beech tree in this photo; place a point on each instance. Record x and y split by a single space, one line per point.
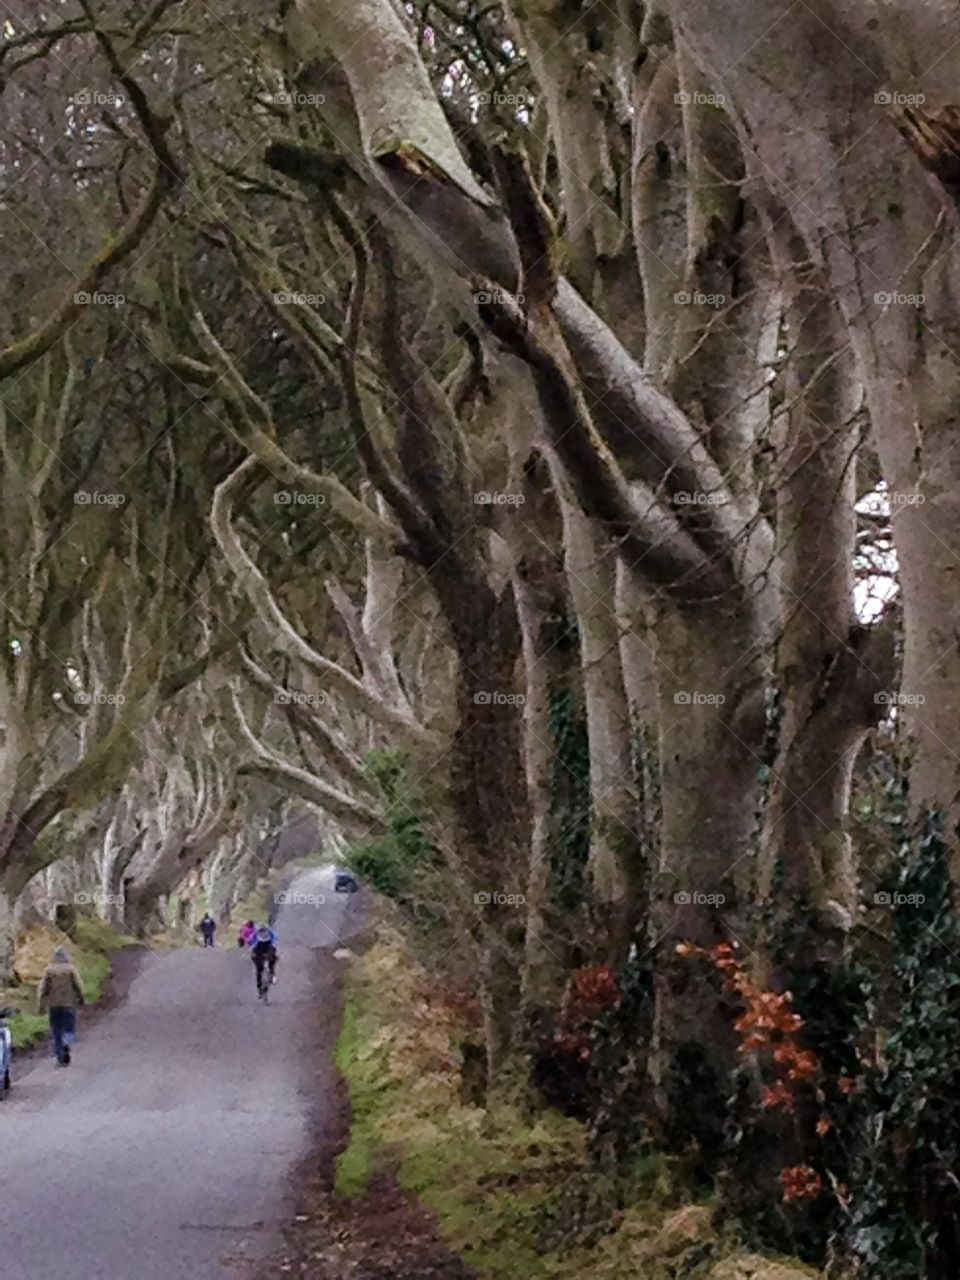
658 427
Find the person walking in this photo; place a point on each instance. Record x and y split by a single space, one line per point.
61 995
208 927
247 934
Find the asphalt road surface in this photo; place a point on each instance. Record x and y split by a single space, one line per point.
163 1151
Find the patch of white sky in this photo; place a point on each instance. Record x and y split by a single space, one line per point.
875 559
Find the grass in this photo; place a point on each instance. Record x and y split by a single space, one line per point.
28 1029
90 948
513 1195
354 1165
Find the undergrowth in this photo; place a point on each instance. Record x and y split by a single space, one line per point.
513 1194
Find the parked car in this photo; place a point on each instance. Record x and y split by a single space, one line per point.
344 882
6 1050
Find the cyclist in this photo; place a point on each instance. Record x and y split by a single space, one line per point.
263 949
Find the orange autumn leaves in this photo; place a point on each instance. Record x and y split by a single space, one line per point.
801 1182
590 992
769 1029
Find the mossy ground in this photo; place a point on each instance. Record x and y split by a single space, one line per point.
513 1194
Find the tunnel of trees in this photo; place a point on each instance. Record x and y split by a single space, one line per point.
520 441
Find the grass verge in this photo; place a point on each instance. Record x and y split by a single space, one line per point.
353 1166
513 1195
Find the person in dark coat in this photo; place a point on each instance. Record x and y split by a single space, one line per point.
61 995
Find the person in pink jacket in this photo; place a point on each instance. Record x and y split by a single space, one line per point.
247 934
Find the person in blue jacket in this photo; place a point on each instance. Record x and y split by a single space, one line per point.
263 949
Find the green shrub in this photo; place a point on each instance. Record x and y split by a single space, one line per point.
393 863
906 1197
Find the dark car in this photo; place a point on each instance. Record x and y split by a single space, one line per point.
345 883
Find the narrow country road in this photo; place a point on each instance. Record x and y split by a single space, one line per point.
164 1150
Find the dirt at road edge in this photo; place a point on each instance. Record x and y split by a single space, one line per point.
385 1234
